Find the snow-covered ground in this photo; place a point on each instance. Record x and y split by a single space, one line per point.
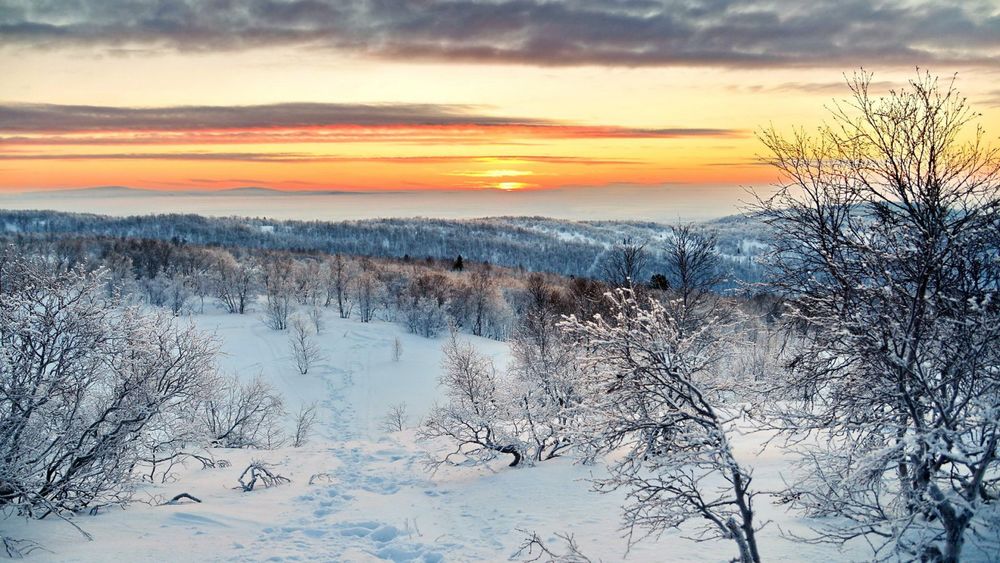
379 502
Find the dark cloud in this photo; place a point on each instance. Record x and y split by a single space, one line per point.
28 118
296 157
539 32
53 124
231 156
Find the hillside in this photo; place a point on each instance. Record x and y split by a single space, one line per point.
377 500
570 248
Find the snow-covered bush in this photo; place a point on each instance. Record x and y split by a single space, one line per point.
87 389
243 415
426 317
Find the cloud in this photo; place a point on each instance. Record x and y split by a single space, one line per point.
240 156
536 32
839 87
298 157
992 99
30 118
287 123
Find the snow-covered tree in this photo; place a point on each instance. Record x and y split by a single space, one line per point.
477 417
651 398
887 243
544 363
235 282
339 277
279 287
305 351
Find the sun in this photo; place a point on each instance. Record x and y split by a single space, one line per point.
510 186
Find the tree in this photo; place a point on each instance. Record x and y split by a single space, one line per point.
477 417
481 296
395 419
649 393
304 422
545 364
279 286
694 270
397 349
625 263
339 276
887 225
305 351
423 302
369 292
659 282
234 282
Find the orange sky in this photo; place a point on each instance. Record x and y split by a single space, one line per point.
294 115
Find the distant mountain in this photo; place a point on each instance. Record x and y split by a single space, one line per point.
247 190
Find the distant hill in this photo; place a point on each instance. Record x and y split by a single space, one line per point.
572 248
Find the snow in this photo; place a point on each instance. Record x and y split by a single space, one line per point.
378 501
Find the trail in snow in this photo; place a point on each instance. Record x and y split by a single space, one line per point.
318 529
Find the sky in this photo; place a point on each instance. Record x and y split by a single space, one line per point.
575 97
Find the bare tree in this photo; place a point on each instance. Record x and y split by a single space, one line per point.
482 286
649 395
304 423
368 290
234 282
694 271
243 415
397 349
279 285
395 419
315 314
339 277
887 227
305 351
625 263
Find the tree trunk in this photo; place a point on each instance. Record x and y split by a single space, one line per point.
741 541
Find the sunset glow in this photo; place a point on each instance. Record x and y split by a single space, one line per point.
142 106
